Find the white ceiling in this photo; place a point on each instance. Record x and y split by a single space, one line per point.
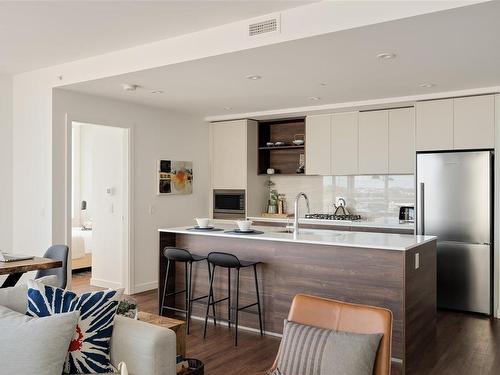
455 49
36 34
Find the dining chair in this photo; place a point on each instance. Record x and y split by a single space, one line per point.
57 252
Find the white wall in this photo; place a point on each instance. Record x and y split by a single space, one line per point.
155 134
6 163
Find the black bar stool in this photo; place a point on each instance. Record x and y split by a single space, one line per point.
174 254
229 261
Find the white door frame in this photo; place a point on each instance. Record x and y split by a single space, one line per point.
128 272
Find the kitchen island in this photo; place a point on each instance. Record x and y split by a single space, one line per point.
394 271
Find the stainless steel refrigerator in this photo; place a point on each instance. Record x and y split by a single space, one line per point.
455 203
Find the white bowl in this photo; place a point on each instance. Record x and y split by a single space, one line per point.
298 142
202 222
244 225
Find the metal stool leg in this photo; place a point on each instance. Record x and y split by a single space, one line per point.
258 299
229 298
164 288
208 302
190 290
186 293
237 306
211 292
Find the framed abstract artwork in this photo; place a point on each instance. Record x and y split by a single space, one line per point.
174 177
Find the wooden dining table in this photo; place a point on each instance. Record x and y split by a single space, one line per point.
15 270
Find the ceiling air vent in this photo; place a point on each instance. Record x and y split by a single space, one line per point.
263 27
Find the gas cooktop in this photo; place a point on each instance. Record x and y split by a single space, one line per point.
333 217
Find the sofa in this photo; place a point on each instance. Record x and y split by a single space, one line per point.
145 348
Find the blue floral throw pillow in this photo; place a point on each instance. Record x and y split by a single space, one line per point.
90 348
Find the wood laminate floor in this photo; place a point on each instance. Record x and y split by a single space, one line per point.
466 344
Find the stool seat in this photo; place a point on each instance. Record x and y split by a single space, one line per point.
177 254
230 261
227 260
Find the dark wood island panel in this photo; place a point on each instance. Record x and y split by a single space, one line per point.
385 278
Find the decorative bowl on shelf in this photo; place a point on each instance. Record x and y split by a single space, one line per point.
269 144
279 143
298 139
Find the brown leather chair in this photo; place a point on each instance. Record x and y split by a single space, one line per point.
347 317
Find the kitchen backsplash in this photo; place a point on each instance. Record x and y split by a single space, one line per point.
376 197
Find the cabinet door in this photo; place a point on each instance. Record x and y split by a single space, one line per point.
318 135
229 154
344 143
374 142
402 141
474 122
434 125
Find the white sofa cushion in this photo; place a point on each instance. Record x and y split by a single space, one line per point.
34 345
16 297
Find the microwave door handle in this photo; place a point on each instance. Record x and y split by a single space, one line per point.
421 215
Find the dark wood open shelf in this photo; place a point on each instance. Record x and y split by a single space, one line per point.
283 159
280 147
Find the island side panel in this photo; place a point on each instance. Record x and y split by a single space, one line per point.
358 275
166 239
420 304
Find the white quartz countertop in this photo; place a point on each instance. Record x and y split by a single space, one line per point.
383 223
382 241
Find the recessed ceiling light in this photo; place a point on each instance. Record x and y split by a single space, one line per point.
227 108
314 98
426 85
129 86
253 77
156 92
322 84
386 56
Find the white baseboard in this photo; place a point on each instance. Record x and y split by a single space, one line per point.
143 287
105 283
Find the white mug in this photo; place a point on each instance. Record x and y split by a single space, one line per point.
244 225
202 222
270 170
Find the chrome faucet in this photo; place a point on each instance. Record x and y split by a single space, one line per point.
296 212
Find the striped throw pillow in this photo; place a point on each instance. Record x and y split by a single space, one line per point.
307 350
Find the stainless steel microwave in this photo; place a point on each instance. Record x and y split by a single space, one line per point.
229 204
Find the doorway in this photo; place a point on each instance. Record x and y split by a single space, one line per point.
100 203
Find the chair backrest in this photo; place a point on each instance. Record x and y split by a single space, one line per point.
57 252
347 317
177 254
224 260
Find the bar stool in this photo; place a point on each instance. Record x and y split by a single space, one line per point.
174 254
230 261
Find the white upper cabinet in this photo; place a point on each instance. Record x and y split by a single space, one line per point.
229 154
402 141
434 125
474 125
318 147
374 142
344 144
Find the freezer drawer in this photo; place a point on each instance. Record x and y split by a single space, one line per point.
464 276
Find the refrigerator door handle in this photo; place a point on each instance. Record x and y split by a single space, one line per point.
422 208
